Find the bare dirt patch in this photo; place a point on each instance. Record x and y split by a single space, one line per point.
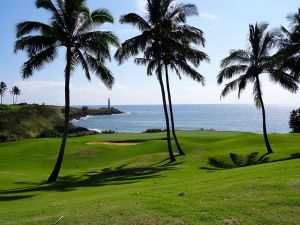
129 143
89 153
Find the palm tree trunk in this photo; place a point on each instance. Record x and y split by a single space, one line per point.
54 175
16 99
268 146
172 157
181 152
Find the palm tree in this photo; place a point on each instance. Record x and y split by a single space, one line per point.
288 56
13 94
15 91
252 63
160 31
3 89
71 27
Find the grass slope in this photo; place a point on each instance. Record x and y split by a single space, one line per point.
27 121
129 185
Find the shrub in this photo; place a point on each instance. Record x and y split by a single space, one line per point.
84 109
108 132
295 121
237 160
154 130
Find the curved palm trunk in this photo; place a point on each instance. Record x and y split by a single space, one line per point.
172 157
181 152
54 175
268 146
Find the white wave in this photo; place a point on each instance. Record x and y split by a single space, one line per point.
122 114
85 118
94 129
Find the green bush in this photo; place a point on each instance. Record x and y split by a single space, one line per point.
295 121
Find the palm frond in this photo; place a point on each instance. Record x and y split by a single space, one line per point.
84 64
230 71
236 56
34 44
100 16
285 80
136 21
100 70
37 61
132 47
56 14
28 27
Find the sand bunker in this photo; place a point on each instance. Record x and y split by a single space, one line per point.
113 143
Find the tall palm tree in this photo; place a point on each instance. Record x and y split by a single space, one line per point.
15 91
250 65
158 33
3 89
71 27
288 56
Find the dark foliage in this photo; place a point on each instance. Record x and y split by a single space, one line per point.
108 132
84 109
294 122
154 130
237 160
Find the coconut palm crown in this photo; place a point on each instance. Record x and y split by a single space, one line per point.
250 65
15 92
72 27
288 56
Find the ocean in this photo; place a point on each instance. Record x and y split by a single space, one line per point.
138 118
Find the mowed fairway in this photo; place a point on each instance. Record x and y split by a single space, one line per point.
135 185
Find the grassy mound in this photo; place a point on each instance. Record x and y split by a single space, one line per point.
24 121
135 185
28 121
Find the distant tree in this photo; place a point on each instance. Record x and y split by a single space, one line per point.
3 89
15 92
252 63
84 109
72 27
288 56
295 121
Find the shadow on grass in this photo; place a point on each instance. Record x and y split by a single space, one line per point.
13 198
167 162
236 161
107 176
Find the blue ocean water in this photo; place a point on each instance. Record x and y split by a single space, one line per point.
139 118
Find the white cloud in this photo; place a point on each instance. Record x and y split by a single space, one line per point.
208 16
141 5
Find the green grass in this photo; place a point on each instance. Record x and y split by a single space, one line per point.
134 185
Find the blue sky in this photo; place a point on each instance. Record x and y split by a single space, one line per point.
224 22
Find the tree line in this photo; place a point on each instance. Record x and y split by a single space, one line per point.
165 42
14 91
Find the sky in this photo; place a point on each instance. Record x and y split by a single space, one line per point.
225 25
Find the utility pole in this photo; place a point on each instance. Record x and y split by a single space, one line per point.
108 103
